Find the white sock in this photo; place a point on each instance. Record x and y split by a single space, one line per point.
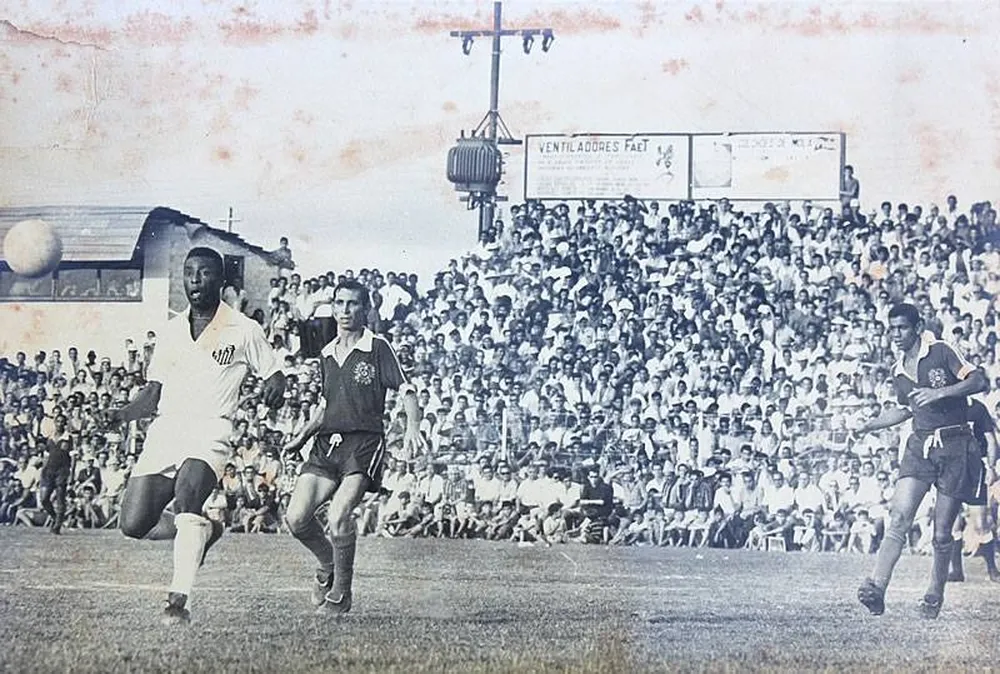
189 544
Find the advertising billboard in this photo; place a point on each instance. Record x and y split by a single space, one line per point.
606 166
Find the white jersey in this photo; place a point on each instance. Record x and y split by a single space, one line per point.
201 378
201 386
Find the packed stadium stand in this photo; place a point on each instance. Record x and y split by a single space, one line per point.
621 373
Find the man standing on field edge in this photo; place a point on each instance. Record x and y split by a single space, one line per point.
358 369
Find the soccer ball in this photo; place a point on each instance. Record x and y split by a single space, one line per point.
32 248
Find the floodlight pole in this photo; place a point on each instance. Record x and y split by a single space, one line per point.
487 212
495 72
494 124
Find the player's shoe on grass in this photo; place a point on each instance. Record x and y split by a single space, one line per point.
56 527
994 575
332 606
175 613
324 581
872 596
930 606
213 538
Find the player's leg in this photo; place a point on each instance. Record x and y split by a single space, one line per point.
344 537
979 523
143 503
964 526
59 502
45 501
979 517
910 491
946 509
311 491
194 483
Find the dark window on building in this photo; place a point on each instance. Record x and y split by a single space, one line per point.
234 270
76 282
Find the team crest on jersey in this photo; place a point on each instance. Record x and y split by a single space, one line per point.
224 354
364 373
937 377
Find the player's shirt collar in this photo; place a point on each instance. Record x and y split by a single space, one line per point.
366 343
223 316
927 339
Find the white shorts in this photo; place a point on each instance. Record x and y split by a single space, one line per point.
170 441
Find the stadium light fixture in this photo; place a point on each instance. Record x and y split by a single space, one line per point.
547 39
528 42
467 45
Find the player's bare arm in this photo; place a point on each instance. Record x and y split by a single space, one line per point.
412 440
309 429
992 450
975 383
888 419
142 406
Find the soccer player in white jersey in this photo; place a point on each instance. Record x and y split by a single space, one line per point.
193 387
359 367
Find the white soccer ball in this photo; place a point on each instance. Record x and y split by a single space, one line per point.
32 248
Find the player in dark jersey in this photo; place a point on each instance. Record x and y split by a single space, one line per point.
978 522
55 476
932 383
358 368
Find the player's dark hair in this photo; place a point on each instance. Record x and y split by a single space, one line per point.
907 311
357 286
206 253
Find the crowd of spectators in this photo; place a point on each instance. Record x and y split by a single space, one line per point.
603 372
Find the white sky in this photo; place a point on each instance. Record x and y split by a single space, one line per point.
331 121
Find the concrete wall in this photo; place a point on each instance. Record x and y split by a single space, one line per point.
257 272
102 326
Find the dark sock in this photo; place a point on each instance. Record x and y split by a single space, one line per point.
313 537
956 559
60 517
988 551
942 563
343 562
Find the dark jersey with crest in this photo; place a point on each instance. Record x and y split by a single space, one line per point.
938 365
355 390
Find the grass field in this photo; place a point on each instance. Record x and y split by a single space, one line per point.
90 602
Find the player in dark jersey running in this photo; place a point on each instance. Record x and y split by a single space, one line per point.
932 383
358 367
54 478
978 522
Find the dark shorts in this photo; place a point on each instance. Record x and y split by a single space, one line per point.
357 453
54 481
954 467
